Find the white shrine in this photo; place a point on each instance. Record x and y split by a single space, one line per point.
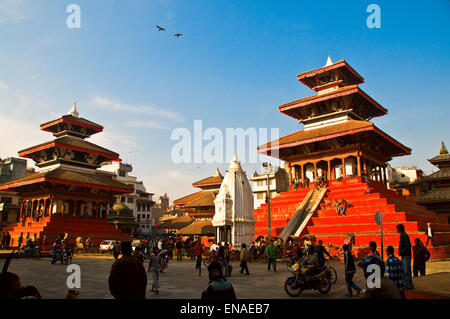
233 218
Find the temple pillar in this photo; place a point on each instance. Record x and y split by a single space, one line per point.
51 207
62 208
329 170
343 168
290 174
21 208
74 213
359 165
301 172
315 172
97 210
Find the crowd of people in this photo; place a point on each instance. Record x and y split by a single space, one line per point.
128 276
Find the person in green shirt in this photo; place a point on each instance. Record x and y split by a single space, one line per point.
271 252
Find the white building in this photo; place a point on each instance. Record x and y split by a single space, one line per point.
278 182
403 175
233 216
140 201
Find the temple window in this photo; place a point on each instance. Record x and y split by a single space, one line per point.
122 173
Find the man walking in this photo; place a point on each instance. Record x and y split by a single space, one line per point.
271 252
7 240
244 259
179 247
198 250
350 270
404 250
429 235
394 270
420 255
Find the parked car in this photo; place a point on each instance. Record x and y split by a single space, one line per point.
106 246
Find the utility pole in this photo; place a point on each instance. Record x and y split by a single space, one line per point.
268 205
268 168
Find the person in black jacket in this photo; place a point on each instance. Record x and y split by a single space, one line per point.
322 251
404 250
350 270
127 279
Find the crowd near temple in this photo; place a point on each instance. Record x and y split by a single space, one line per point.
334 176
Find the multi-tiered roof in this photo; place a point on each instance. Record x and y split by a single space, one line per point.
69 158
438 198
337 116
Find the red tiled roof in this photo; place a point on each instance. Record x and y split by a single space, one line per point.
199 227
327 132
207 199
191 197
72 143
72 119
212 180
346 90
65 176
304 137
340 64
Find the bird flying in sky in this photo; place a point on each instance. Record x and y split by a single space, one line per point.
177 35
160 28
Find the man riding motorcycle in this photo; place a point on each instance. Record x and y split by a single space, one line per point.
311 260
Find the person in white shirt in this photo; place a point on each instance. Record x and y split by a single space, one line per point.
429 234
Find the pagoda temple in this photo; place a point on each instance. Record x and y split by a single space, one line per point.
67 193
339 158
438 198
198 208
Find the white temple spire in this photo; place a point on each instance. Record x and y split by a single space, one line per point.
73 110
329 62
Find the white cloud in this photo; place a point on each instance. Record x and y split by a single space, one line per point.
10 11
146 124
177 175
116 105
3 85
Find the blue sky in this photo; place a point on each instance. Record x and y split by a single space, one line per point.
236 62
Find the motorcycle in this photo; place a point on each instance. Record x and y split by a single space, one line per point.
296 282
63 255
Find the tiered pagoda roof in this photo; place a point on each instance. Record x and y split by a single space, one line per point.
438 198
201 204
69 159
335 118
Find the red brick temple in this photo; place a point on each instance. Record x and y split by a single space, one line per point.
341 147
67 193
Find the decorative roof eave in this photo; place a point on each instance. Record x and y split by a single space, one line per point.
46 126
203 185
341 63
266 149
33 149
62 181
347 90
